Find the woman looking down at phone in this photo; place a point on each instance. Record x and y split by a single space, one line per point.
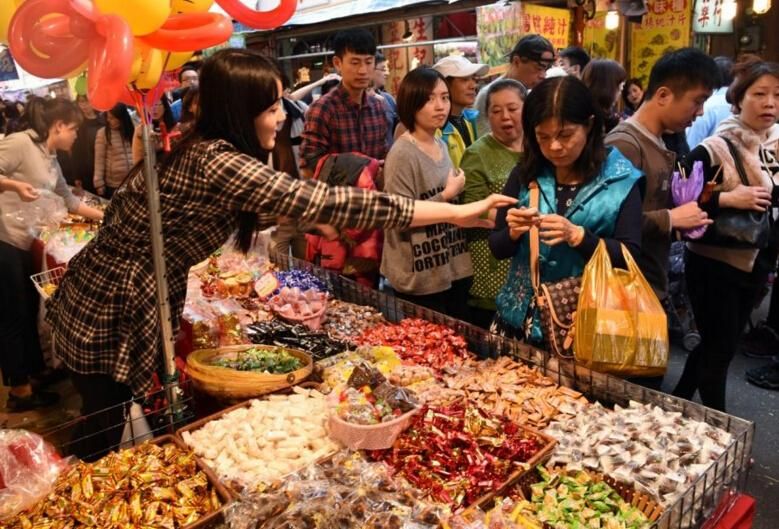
587 193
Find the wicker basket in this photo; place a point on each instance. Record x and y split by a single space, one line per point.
230 384
369 436
637 499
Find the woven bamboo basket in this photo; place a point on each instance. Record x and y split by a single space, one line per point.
230 384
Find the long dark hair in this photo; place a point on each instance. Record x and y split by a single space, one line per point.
167 115
568 100
236 86
126 127
603 77
626 90
42 114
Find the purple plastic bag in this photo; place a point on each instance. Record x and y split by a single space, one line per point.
684 190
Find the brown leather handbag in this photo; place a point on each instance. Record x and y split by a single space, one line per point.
556 301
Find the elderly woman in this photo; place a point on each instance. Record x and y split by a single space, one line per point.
487 164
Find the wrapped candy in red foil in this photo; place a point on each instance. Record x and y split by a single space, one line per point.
457 454
419 341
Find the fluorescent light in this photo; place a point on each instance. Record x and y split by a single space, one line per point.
612 20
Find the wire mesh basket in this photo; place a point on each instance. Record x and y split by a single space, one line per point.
47 282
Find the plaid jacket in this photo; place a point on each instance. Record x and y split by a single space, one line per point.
104 313
335 124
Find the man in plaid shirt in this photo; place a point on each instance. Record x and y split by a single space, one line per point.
347 119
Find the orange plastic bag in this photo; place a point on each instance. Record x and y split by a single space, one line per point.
621 327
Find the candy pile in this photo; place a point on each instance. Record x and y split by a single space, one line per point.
345 320
147 486
296 304
265 440
300 279
316 343
458 454
660 452
419 341
336 370
274 360
370 399
343 493
521 393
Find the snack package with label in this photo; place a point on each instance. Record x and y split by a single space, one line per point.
29 467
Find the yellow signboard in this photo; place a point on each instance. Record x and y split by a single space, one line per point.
601 43
499 27
665 27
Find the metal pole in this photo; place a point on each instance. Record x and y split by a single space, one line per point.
160 273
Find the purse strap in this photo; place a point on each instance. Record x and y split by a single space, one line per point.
535 240
742 174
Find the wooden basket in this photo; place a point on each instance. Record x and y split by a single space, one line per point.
548 444
627 492
217 517
230 384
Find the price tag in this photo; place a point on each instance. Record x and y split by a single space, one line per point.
266 285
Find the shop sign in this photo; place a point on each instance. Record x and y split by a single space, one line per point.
664 28
601 43
499 27
403 59
7 67
707 17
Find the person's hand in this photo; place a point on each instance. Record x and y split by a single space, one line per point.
455 183
689 216
479 214
331 77
26 192
746 197
100 191
520 220
554 229
328 232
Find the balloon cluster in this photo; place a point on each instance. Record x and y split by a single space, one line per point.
124 45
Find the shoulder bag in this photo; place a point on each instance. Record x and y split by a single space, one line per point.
556 301
738 228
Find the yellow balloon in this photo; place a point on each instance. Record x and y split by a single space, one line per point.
7 8
143 16
147 67
190 6
176 60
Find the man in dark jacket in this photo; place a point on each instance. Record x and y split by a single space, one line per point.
78 165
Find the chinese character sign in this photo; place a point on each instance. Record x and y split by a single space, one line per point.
402 60
600 43
707 17
499 27
664 28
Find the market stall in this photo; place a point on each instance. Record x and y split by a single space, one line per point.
477 428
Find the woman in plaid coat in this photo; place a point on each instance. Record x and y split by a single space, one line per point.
214 183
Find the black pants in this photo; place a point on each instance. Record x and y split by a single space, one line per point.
452 302
103 410
20 347
722 298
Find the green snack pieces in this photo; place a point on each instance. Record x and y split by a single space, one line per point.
274 360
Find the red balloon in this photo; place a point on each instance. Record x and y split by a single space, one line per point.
110 62
259 19
68 55
190 32
51 35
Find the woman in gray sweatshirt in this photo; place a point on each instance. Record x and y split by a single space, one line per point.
429 266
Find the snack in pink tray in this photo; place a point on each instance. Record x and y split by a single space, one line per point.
300 306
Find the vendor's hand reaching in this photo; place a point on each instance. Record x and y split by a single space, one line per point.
746 197
480 214
520 220
26 192
454 184
554 229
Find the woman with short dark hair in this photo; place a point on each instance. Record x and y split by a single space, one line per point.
724 279
587 193
428 266
213 185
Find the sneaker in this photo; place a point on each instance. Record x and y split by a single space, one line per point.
765 377
39 399
761 342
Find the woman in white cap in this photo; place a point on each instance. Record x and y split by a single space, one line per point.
460 130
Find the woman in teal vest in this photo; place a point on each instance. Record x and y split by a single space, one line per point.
587 193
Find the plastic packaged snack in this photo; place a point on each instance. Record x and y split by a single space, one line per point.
29 466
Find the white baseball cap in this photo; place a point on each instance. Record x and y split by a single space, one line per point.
459 66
